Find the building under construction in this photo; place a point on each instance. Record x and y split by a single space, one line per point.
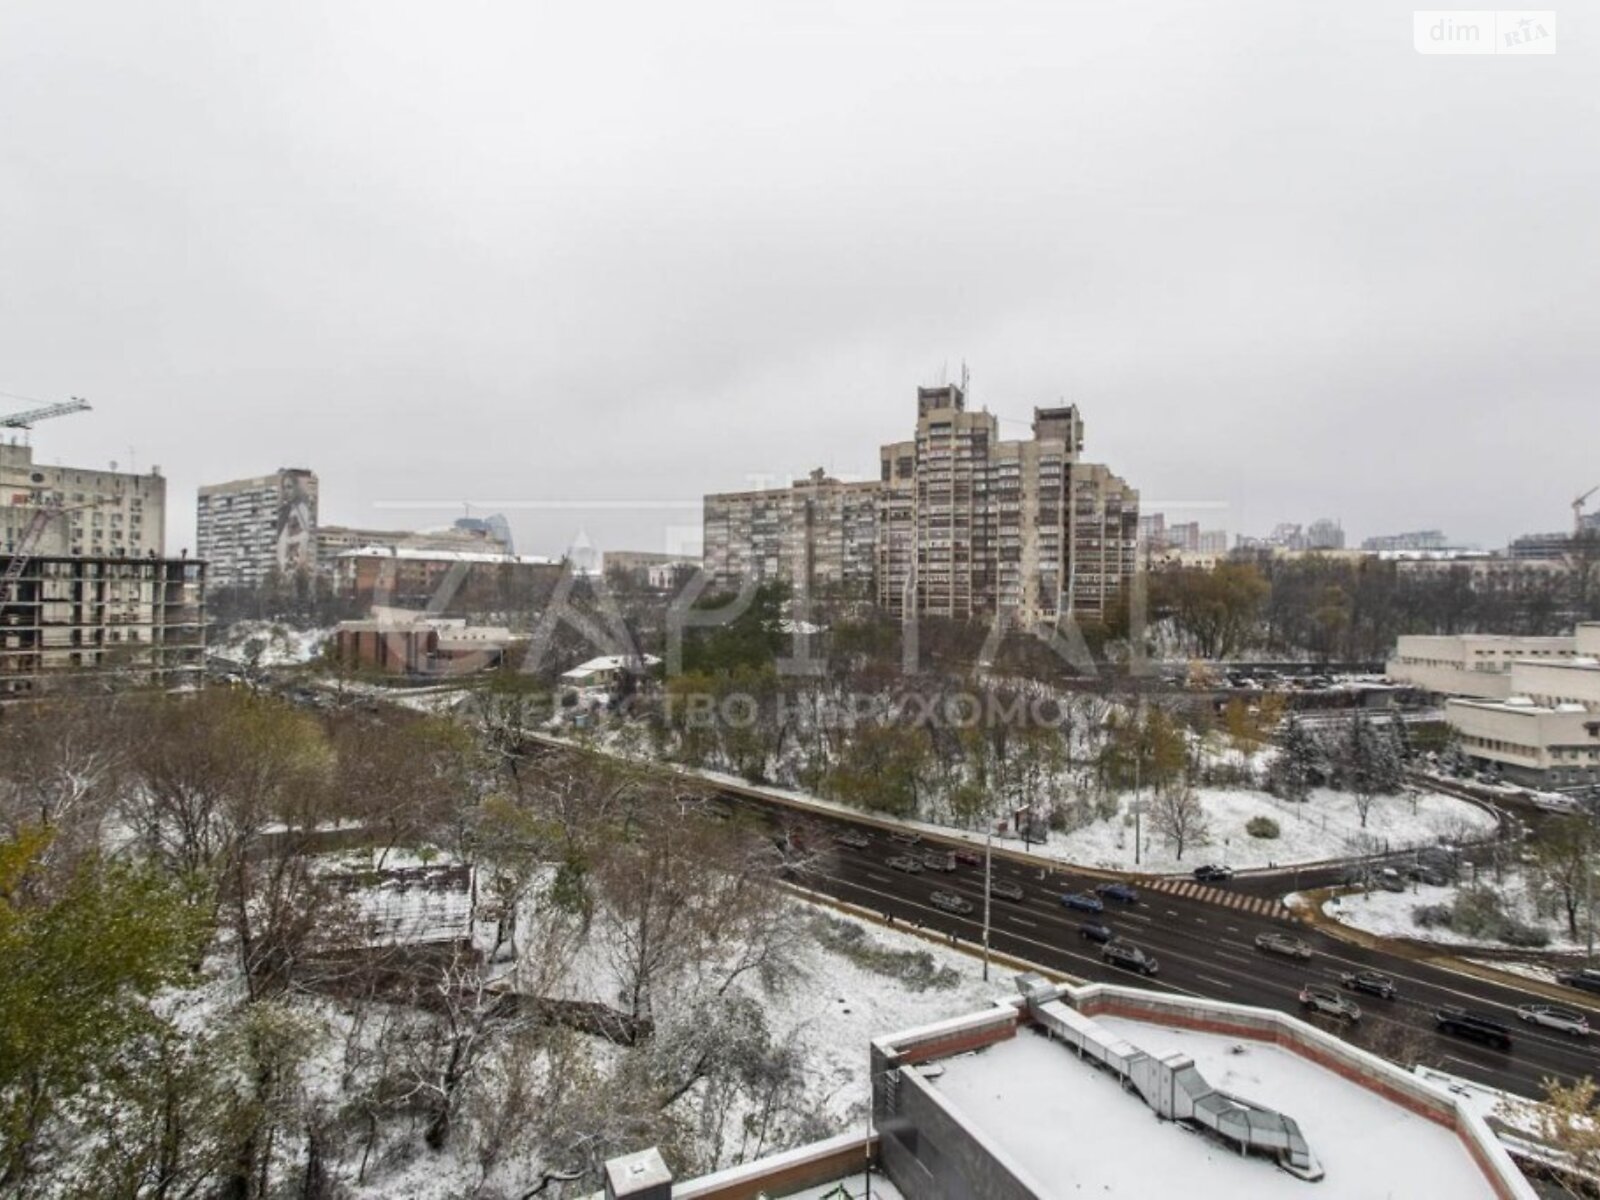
88 623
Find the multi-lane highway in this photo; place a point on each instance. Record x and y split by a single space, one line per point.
1204 941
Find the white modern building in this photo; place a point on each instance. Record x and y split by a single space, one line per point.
1474 664
1526 708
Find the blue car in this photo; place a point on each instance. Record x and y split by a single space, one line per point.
1082 901
1119 891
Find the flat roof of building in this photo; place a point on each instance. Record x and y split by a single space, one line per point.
1074 1129
462 556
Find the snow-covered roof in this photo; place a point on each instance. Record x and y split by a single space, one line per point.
610 662
1020 1093
461 556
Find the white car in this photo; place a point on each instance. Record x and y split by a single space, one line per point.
1282 943
1565 1019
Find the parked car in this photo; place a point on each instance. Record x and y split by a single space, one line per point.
939 860
1082 901
1390 881
1552 1017
906 838
1006 889
1475 1027
951 903
968 858
1433 876
853 837
1373 983
904 862
1283 943
1585 980
1129 957
1212 873
1094 931
1329 1001
1119 891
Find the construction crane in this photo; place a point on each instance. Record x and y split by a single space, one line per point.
30 417
1577 510
47 508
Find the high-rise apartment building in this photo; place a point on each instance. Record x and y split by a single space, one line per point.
959 522
251 531
101 513
819 534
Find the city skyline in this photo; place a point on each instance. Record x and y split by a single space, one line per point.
1283 261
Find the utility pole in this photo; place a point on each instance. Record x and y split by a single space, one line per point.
1138 811
989 858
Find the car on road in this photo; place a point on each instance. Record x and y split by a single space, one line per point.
1006 889
853 837
1083 901
951 903
939 860
1095 931
968 858
1119 891
1129 957
1551 1016
1585 980
1329 1001
1373 983
904 862
1212 873
1284 944
906 838
1475 1027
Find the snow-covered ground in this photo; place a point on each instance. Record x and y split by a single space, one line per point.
1389 913
1326 826
831 1004
280 645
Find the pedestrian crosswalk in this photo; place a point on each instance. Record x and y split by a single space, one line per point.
1215 895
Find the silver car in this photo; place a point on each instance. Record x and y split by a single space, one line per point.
951 903
1282 943
1567 1020
1330 1001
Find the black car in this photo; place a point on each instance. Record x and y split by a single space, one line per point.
1095 932
1371 982
1585 980
1119 891
1129 957
1475 1027
1211 873
906 838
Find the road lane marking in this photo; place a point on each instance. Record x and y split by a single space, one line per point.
1024 921
1214 982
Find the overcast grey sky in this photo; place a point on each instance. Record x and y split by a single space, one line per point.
585 252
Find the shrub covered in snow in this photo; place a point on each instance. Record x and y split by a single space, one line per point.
1261 827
